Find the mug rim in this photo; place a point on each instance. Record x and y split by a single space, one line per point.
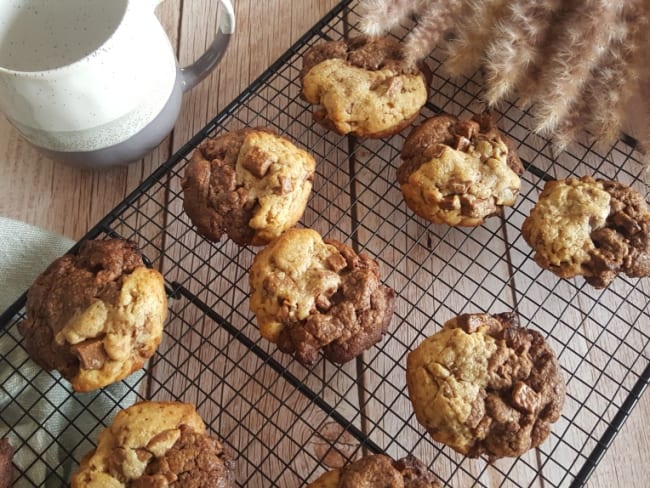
129 6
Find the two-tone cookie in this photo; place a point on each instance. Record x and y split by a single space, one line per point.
162 444
376 471
458 172
363 86
249 184
590 227
483 385
95 316
313 296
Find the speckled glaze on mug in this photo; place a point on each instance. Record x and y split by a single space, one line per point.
95 83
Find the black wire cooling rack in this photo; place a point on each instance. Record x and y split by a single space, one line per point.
286 424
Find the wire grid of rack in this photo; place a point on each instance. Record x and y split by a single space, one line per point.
286 424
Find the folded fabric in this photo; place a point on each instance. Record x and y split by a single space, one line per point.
25 251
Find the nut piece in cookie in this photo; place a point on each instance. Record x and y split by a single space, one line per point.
96 316
379 471
590 227
161 444
483 385
363 86
312 296
459 172
249 184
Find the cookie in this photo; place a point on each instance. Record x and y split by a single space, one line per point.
6 467
162 444
590 227
379 471
459 172
363 86
96 316
313 296
249 184
483 385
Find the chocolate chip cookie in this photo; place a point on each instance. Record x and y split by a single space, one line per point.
379 471
96 316
363 86
483 385
459 172
250 184
162 444
313 296
590 227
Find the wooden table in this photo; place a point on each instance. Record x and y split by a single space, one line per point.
69 201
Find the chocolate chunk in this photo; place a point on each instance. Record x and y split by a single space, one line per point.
477 207
323 303
257 162
285 185
91 353
524 397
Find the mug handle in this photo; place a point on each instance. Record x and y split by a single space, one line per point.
192 74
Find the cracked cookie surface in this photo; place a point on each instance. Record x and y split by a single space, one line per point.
96 316
484 386
590 227
161 444
249 184
363 86
313 296
378 471
459 172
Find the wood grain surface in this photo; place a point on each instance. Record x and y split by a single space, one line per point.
69 201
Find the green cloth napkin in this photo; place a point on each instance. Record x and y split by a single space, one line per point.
25 251
49 426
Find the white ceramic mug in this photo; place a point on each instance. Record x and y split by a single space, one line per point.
95 82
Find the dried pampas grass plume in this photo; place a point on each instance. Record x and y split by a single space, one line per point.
577 43
606 94
434 17
575 64
432 25
380 16
472 33
516 45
